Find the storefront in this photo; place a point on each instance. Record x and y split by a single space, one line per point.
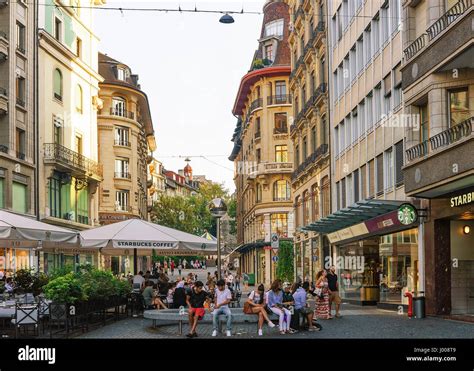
260 261
15 258
61 257
374 250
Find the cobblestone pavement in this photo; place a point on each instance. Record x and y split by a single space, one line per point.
357 322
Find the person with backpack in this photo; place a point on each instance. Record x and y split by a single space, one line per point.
255 304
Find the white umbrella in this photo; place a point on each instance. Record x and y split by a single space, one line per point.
18 227
145 237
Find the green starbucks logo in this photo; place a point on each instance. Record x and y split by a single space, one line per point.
407 214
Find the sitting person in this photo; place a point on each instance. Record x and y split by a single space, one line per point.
170 294
302 306
9 286
151 301
256 305
275 304
222 298
179 296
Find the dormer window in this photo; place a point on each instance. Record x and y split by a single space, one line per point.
274 28
123 73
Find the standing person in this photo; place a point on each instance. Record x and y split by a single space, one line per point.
204 264
301 305
172 267
223 297
238 276
180 268
185 263
230 279
192 264
216 276
255 304
333 286
165 266
322 296
275 304
246 280
170 294
209 278
139 280
195 298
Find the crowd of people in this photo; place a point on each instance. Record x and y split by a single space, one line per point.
287 302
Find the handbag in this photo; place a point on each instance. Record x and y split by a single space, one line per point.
247 308
319 292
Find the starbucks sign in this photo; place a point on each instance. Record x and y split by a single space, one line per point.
407 214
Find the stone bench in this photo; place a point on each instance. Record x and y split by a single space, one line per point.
172 316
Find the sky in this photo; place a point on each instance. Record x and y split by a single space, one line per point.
190 66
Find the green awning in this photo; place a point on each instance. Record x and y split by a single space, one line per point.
352 215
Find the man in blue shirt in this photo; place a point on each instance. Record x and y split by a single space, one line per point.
302 307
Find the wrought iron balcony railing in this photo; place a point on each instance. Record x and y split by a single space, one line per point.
54 152
257 103
122 175
443 139
122 143
311 159
116 111
279 99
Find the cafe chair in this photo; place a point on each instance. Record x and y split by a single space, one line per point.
26 317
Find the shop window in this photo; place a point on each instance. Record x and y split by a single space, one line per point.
19 198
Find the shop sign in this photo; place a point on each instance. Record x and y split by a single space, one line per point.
407 214
462 200
136 244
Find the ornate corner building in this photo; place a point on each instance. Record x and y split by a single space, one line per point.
126 136
263 152
309 132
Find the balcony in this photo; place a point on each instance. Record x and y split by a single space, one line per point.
3 101
312 159
440 43
122 175
279 99
3 46
318 34
122 143
72 162
454 145
115 111
257 103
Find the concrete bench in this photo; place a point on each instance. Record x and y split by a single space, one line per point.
172 315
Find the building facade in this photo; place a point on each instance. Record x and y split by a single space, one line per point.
309 132
263 153
438 90
373 228
126 136
158 182
17 121
68 78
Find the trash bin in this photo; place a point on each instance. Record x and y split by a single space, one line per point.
251 279
419 305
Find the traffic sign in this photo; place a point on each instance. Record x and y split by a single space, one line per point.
275 259
275 241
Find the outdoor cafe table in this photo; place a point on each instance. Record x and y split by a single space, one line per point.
7 312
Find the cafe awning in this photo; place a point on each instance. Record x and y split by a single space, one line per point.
357 213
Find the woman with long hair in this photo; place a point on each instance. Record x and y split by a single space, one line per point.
256 305
275 304
322 296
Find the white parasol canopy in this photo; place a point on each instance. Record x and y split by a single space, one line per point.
144 236
18 227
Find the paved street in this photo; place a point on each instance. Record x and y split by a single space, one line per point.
357 322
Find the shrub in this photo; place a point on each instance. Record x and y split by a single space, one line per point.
285 268
23 280
64 289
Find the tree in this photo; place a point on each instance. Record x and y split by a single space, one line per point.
285 265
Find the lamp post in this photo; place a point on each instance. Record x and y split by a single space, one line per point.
218 209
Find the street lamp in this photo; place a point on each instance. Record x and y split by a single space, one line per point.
218 209
226 19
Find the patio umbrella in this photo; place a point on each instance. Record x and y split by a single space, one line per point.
145 237
18 227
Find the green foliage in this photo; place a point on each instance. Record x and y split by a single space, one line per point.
41 280
261 63
24 279
59 272
65 289
285 267
2 286
87 283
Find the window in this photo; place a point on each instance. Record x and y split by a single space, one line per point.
375 35
337 148
79 98
259 155
257 127
346 72
350 190
371 177
360 54
297 211
121 200
122 136
274 28
352 63
334 83
297 155
281 123
325 197
363 182
389 169
314 202
348 127
355 126
306 207
20 37
458 106
279 224
20 91
361 117
58 29
119 106
303 95
19 198
121 74
58 129
2 192
339 20
312 83
20 144
281 190
385 25
313 139
395 7
387 83
269 52
379 170
399 163
280 91
58 84
258 193
343 193
338 195
342 135
79 47
78 144
378 103
305 149
397 84
281 153
367 45
424 123
369 112
55 196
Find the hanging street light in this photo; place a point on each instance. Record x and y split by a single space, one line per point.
226 18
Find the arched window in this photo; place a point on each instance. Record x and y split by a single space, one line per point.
58 84
281 190
306 206
259 193
79 98
315 202
119 106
